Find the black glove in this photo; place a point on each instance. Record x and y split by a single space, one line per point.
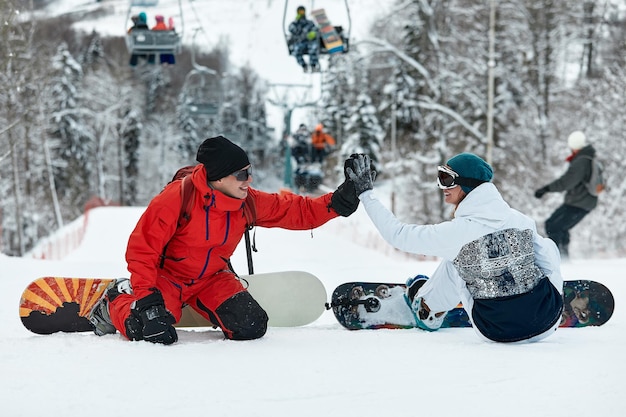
344 200
157 322
360 172
540 192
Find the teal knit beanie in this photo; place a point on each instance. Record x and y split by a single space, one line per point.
468 165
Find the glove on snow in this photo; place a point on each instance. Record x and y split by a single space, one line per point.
540 192
157 322
360 172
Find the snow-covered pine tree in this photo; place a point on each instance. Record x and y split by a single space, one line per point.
363 132
26 198
129 131
74 144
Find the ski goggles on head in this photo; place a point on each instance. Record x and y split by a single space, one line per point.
447 178
242 174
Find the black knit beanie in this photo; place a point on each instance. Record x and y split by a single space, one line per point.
221 157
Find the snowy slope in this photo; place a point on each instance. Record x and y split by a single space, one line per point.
320 369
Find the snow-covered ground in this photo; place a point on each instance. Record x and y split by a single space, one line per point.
319 369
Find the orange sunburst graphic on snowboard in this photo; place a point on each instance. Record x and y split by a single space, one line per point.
64 300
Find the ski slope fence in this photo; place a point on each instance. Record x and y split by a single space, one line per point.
69 237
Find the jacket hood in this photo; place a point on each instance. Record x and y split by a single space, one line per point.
485 205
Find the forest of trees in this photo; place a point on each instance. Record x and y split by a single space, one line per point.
423 87
80 127
78 124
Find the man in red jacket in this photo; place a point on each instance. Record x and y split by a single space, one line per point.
172 266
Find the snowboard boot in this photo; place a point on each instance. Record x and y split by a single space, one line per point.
424 318
99 315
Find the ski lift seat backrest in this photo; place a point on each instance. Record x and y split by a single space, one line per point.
203 90
203 108
166 41
144 3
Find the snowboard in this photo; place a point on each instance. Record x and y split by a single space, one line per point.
330 38
367 305
59 304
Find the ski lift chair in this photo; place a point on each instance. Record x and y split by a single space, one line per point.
199 104
153 42
203 87
144 3
202 108
343 34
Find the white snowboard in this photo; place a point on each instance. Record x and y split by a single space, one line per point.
290 298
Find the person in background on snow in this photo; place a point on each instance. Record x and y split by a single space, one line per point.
171 267
506 275
160 25
578 201
321 142
304 40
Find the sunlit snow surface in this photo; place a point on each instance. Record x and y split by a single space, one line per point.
309 371
318 370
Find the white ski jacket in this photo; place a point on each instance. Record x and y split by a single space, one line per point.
483 211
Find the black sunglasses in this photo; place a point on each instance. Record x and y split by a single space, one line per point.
242 174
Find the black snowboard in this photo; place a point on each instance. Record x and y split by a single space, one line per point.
368 305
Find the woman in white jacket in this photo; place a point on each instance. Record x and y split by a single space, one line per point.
506 275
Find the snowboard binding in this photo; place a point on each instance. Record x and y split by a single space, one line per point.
371 303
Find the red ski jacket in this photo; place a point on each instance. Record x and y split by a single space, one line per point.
202 247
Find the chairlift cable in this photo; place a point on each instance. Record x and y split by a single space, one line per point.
199 20
194 63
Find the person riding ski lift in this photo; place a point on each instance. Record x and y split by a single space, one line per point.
304 39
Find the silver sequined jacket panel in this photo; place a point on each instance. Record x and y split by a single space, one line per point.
499 264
